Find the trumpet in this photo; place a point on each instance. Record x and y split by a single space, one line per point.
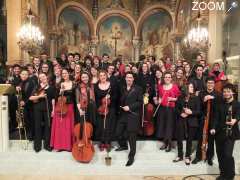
20 121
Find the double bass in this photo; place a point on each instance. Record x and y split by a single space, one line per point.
83 149
147 115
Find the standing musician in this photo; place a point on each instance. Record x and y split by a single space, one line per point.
168 94
226 130
188 109
85 99
105 97
63 116
26 88
207 95
43 106
129 122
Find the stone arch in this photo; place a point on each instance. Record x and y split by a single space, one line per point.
150 11
120 13
85 12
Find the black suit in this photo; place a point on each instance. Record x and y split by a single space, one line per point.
213 103
129 122
224 143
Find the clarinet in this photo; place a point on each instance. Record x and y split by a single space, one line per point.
229 119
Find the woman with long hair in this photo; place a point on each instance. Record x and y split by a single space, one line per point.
105 97
188 109
63 120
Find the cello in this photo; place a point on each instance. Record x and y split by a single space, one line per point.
83 149
147 115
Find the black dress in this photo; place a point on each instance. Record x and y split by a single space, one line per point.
187 127
107 134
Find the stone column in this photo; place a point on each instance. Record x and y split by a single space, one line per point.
177 38
137 48
53 45
14 14
215 28
93 45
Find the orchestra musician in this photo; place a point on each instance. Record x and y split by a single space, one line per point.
105 97
205 96
43 98
226 130
63 116
188 109
26 88
129 121
168 94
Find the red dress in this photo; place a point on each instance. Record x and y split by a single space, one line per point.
62 127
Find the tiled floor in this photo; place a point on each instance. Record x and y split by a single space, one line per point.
18 164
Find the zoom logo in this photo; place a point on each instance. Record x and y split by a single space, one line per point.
212 5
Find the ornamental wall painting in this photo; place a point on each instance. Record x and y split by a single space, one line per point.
115 37
74 32
156 35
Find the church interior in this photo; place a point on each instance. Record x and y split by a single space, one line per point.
176 29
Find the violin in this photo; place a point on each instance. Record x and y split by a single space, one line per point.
105 102
40 91
61 106
147 116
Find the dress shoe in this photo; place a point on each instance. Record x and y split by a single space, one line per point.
177 159
163 147
220 178
48 149
121 148
169 148
195 161
130 161
210 162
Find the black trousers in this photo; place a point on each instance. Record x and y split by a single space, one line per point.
191 131
123 136
29 120
42 129
224 149
210 148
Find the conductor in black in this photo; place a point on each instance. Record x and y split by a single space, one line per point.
129 122
226 130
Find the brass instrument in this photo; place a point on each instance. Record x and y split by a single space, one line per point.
20 121
229 119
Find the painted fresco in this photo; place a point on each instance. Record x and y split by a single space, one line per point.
184 16
156 32
115 33
74 30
